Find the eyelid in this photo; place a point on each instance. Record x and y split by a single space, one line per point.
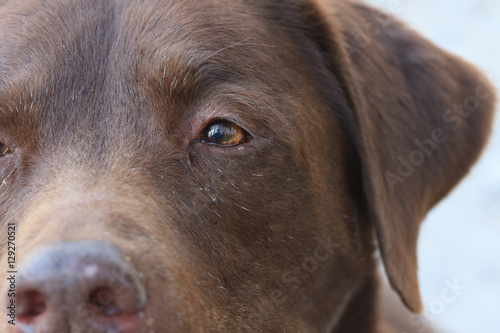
208 121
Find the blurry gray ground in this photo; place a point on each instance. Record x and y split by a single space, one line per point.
461 237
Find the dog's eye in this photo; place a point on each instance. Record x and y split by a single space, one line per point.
4 149
224 133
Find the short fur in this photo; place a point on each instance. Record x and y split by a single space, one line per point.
102 104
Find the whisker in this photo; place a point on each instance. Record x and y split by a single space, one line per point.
241 43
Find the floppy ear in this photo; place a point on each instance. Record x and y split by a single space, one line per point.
421 117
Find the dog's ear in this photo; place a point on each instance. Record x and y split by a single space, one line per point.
421 117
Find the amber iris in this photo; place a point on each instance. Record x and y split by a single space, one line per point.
224 133
3 149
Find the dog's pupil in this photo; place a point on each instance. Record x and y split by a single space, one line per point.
217 132
220 132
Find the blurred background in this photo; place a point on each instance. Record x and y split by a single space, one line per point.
460 239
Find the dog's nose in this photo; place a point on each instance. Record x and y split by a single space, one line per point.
87 285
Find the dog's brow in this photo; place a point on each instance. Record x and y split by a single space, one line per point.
179 74
15 104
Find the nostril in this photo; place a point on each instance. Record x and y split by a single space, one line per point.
103 301
31 304
118 307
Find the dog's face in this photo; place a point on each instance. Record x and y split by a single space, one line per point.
185 166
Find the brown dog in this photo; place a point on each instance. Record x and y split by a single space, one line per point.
220 166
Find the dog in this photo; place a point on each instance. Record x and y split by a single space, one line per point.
221 166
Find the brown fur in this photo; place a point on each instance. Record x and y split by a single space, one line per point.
102 103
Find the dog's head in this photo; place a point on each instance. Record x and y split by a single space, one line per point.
188 166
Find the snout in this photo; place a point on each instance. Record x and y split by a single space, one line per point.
86 286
